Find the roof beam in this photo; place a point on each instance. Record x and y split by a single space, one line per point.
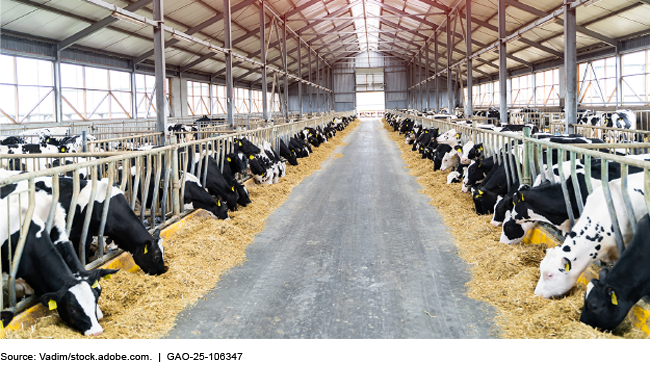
579 28
333 14
61 45
197 28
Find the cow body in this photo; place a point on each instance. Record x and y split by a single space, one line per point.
591 238
609 298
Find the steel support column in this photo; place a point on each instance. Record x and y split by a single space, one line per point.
468 41
159 56
420 80
426 77
299 75
619 80
450 79
503 67
570 65
317 89
134 96
311 107
534 88
265 104
435 52
227 44
58 97
286 72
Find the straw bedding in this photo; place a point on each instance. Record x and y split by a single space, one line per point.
140 306
502 275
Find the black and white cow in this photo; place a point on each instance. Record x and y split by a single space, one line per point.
609 298
43 268
591 238
195 196
286 153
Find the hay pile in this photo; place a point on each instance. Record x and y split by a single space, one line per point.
140 306
502 275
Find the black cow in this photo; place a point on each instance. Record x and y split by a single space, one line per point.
195 196
439 153
609 298
286 153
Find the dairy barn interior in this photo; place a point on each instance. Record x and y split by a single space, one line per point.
346 169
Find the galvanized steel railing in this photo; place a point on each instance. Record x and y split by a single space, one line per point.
161 167
525 163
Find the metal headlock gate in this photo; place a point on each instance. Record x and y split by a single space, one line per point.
161 167
525 164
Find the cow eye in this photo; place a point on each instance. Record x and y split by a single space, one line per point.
156 258
549 276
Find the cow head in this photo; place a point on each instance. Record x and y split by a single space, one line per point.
513 231
149 257
237 165
503 205
76 303
476 152
556 274
451 158
604 306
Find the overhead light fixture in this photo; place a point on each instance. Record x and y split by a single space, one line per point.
217 50
181 37
548 22
514 39
591 2
129 19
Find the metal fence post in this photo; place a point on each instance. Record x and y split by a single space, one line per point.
525 179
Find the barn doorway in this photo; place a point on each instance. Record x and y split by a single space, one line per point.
370 92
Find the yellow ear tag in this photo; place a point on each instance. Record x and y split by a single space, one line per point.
459 150
233 188
95 285
567 267
614 300
480 148
240 144
251 157
52 304
145 250
229 160
108 277
2 327
514 203
219 203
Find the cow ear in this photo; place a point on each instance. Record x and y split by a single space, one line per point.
602 274
156 234
612 295
97 274
566 265
6 317
50 299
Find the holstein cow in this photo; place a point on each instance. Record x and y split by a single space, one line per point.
286 153
545 202
195 196
591 238
609 298
44 269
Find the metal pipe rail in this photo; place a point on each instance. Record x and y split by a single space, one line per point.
527 153
136 173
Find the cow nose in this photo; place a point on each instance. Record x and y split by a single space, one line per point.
98 333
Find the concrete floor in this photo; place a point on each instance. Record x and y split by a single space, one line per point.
355 252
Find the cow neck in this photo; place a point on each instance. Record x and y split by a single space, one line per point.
49 271
124 226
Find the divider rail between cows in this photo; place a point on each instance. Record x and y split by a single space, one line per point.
523 162
147 184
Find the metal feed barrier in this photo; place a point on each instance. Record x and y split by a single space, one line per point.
526 165
161 168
